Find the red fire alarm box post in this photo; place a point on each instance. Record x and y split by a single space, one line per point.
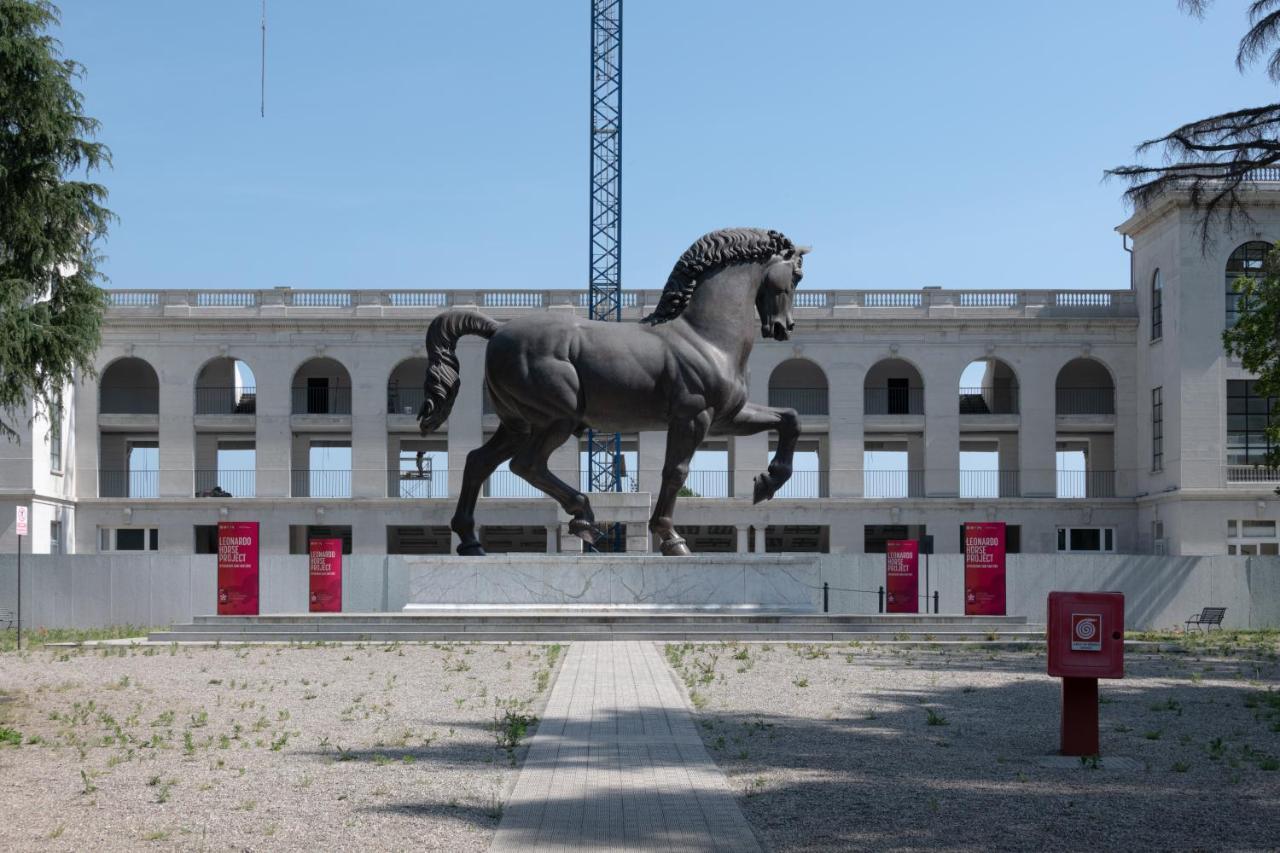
1086 642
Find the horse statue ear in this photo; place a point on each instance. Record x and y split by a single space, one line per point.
803 250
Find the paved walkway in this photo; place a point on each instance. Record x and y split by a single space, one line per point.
616 764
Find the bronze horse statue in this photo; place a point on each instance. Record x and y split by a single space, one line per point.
681 369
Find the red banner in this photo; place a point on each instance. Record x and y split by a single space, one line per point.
984 568
237 568
902 576
326 575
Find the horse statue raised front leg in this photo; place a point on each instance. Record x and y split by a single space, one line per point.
681 369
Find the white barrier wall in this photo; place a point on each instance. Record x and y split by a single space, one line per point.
92 591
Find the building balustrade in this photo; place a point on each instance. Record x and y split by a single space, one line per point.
506 484
806 401
1086 484
405 401
321 401
706 484
892 401
1027 303
315 483
129 484
241 400
989 401
432 483
630 483
215 483
1086 401
989 484
1251 474
893 484
805 484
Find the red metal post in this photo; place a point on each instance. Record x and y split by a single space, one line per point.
1079 716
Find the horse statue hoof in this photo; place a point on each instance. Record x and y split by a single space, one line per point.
762 490
586 531
675 547
472 549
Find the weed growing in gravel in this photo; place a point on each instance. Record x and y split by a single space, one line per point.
800 682
1181 767
10 737
933 718
1154 734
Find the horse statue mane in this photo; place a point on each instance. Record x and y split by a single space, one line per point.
708 253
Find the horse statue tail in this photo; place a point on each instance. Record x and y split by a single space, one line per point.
441 385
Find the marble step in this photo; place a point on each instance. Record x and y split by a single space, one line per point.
568 634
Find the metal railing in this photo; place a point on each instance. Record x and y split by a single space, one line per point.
404 401
321 401
707 484
989 401
893 484
226 401
1086 401
129 484
505 484
411 484
805 484
893 401
806 401
315 483
215 483
1252 474
1086 484
630 482
989 484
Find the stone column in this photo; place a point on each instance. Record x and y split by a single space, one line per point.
750 453
553 538
177 424
760 544
845 442
942 424
368 425
82 461
744 542
1037 436
273 446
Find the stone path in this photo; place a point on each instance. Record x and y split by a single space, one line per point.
616 764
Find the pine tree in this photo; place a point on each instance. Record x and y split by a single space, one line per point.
51 217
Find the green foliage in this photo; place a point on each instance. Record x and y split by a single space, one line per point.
1255 338
50 304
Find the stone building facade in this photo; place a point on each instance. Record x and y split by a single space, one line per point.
1089 420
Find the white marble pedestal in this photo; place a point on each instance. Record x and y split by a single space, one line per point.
706 581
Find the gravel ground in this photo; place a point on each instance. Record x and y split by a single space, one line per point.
832 747
377 747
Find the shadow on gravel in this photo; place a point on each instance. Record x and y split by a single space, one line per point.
958 768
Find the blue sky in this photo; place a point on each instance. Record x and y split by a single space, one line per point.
418 143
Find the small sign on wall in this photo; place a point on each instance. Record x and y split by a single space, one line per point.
22 521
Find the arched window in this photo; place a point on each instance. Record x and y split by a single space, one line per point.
1245 260
1157 307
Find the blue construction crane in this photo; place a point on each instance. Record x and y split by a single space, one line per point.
604 451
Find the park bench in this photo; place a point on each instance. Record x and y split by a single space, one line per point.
1207 618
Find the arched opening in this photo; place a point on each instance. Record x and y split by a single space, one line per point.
321 386
799 384
988 456
1085 455
129 386
404 387
1246 260
988 386
893 387
225 386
